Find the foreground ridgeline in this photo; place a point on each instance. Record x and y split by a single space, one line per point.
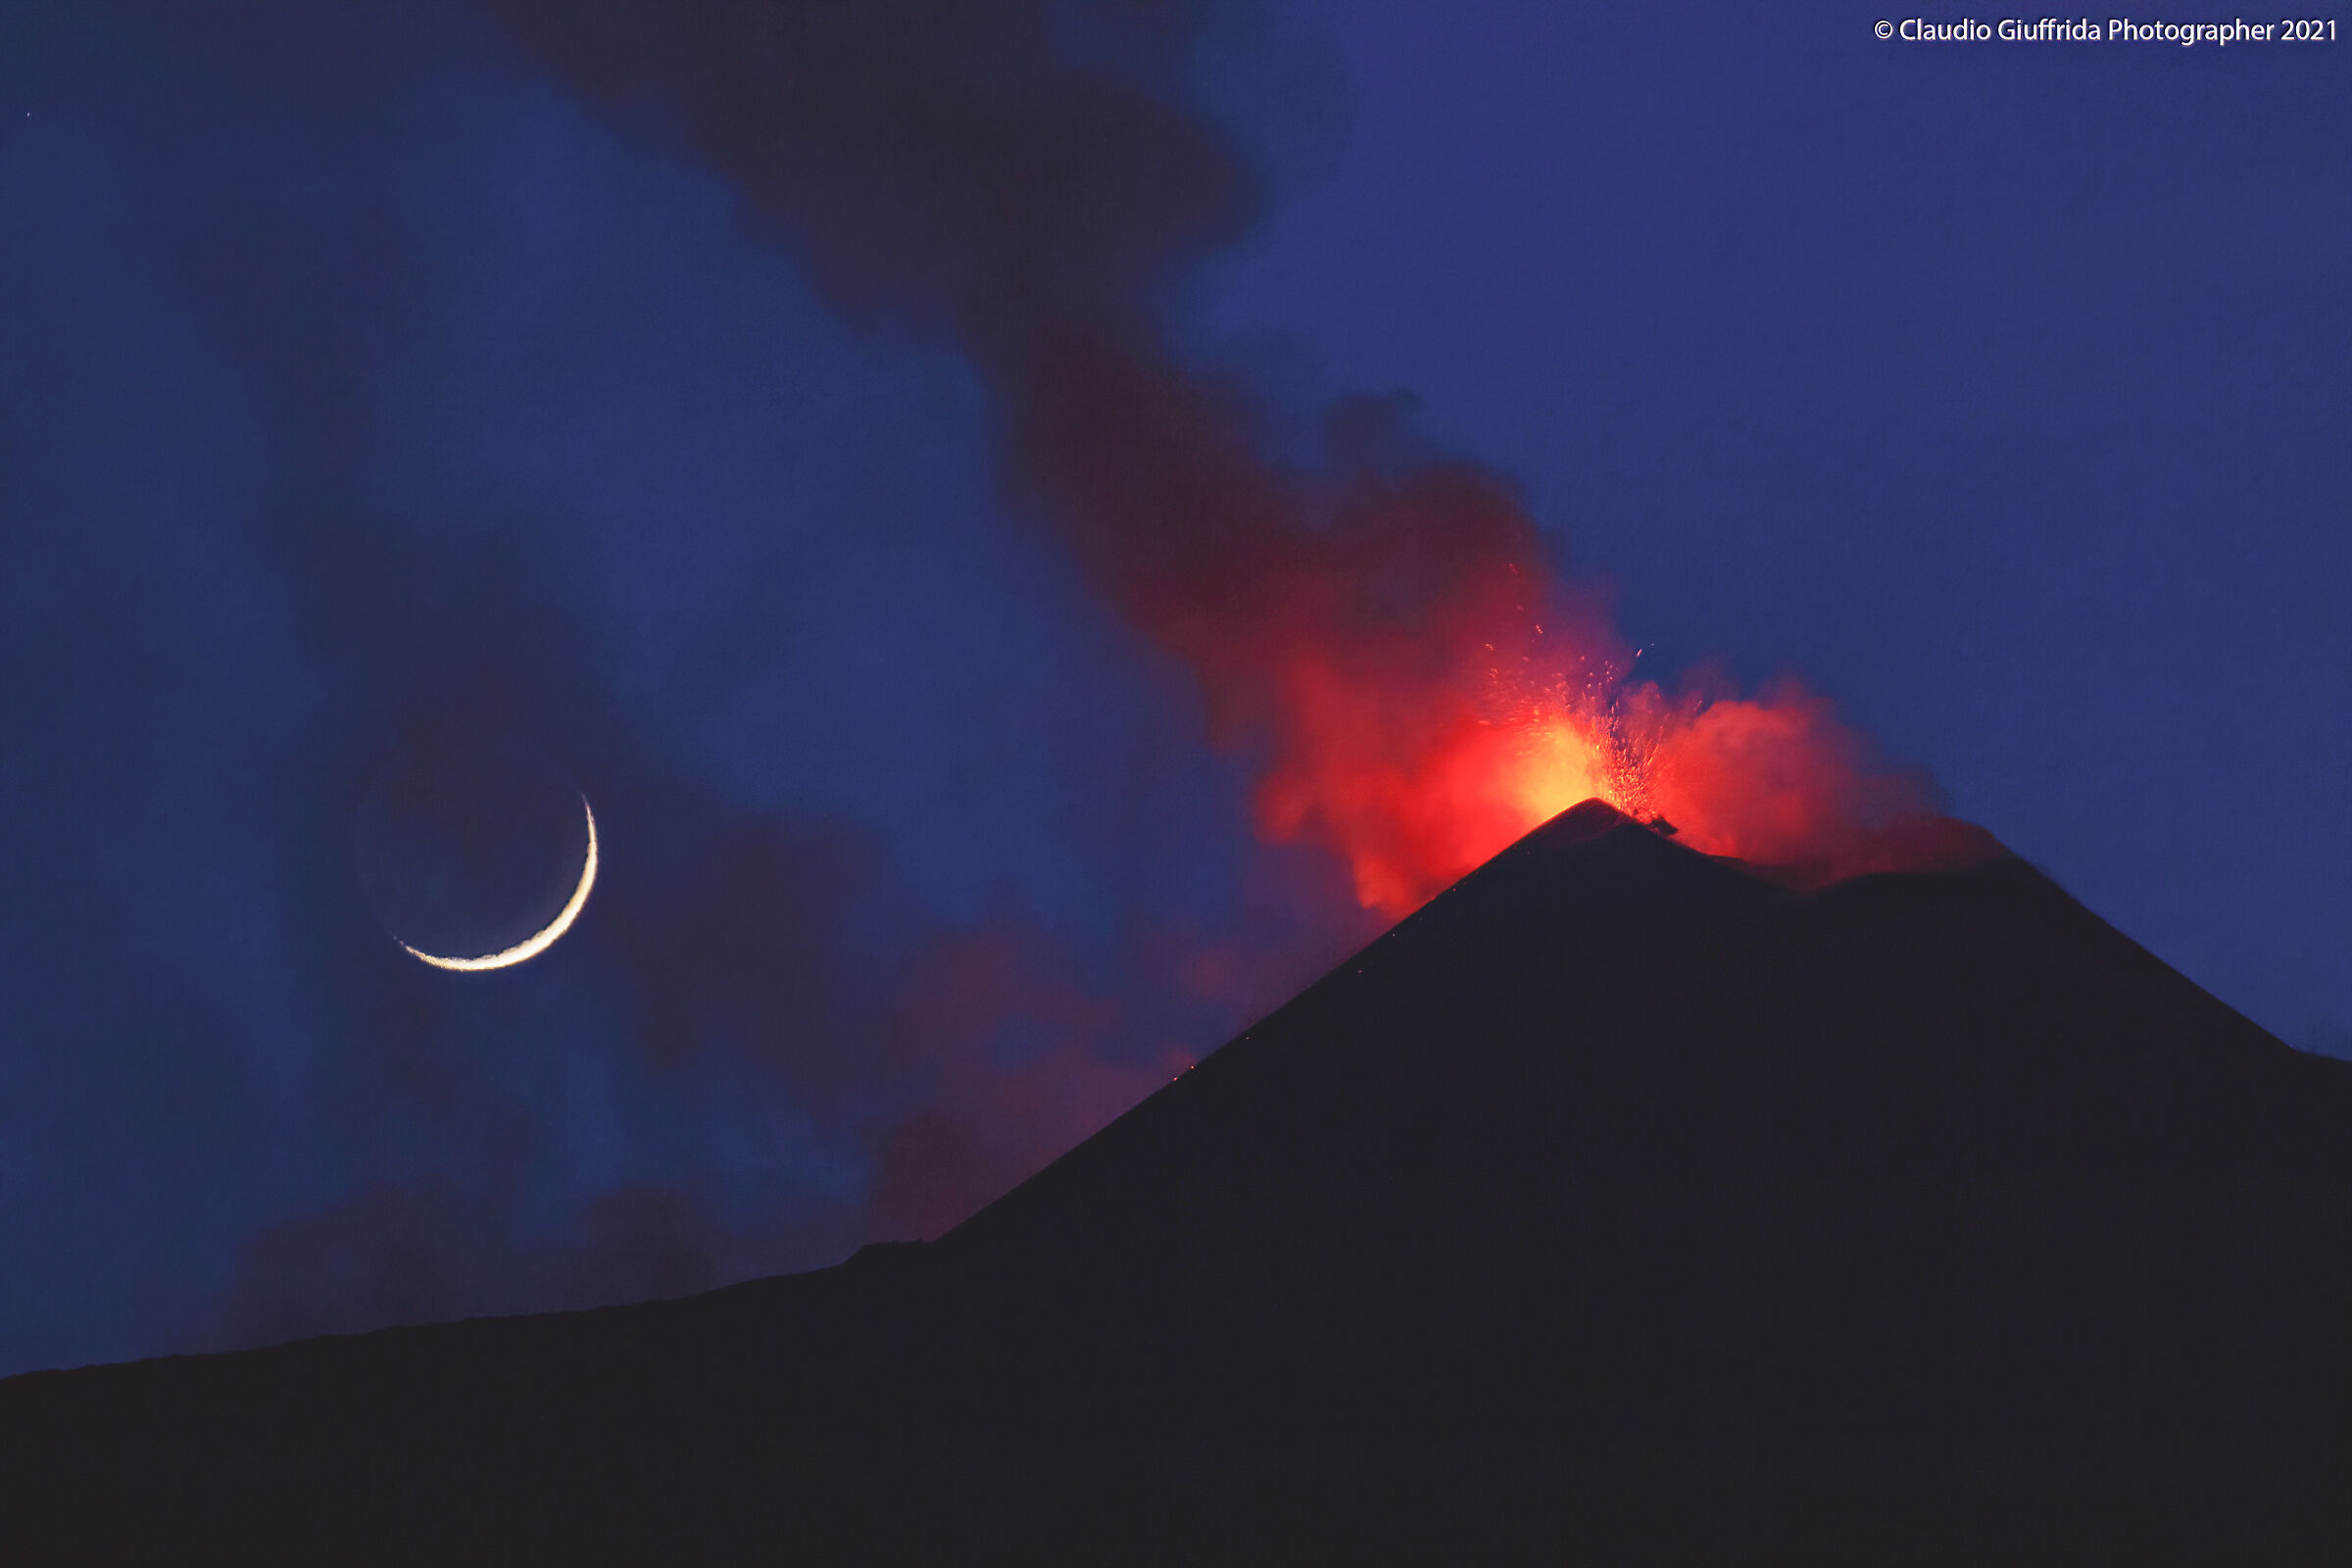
1618 1204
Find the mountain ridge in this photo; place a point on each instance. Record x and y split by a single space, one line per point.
1620 1201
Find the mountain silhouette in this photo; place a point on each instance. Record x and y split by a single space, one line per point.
1621 1204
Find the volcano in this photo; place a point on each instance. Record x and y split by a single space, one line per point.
1621 1204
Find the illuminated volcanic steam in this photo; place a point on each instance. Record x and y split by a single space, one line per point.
1381 626
1377 628
1423 688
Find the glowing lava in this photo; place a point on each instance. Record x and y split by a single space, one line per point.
1415 782
1776 780
1419 755
1381 634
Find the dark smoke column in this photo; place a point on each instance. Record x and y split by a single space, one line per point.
951 162
958 164
1028 179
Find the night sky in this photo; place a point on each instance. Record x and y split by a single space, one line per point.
372 368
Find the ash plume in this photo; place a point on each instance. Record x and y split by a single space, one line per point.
1036 180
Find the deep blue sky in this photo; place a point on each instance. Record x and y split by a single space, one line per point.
2000 392
358 373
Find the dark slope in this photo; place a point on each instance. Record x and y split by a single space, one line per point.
1619 1200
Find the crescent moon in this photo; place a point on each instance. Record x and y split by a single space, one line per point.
533 945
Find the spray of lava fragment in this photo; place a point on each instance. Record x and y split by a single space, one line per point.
1381 635
1417 780
1419 746
1417 785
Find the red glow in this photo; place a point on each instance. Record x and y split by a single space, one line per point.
1417 784
1386 636
1432 693
1416 771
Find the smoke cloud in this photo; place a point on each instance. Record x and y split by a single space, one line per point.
417 496
1386 623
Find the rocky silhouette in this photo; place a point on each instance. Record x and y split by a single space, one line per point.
1620 1204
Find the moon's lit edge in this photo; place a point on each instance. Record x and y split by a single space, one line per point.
533 945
